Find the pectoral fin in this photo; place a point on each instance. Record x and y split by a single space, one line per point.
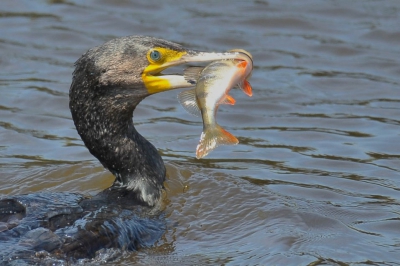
189 102
242 64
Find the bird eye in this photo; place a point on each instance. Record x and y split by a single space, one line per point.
155 55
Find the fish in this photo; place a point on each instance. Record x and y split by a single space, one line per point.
213 84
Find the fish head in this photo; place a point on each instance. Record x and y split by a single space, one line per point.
244 62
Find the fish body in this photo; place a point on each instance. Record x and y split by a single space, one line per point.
213 84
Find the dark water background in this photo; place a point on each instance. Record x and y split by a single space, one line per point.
316 177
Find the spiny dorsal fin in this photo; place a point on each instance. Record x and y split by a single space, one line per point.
192 74
189 102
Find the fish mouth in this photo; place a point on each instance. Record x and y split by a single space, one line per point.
155 81
243 55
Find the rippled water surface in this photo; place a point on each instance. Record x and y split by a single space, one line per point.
315 179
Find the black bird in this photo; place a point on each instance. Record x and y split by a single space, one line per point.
109 81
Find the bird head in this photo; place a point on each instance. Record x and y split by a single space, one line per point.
109 81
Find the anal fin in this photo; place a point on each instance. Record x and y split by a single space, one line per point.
228 100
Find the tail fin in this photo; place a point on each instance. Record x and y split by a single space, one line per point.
211 138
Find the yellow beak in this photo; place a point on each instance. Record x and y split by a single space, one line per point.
156 82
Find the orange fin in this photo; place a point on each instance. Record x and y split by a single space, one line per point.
228 100
242 64
246 88
211 138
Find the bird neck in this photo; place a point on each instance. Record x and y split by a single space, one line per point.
106 127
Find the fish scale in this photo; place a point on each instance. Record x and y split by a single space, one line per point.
213 84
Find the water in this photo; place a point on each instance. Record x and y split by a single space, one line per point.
315 179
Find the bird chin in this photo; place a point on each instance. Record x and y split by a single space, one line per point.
177 81
160 83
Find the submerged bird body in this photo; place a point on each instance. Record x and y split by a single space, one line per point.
212 87
108 83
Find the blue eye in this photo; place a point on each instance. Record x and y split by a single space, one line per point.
155 55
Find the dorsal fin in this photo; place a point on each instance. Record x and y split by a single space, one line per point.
189 102
192 74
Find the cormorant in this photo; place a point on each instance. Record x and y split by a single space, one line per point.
109 81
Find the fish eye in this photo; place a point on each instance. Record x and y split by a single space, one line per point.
155 55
